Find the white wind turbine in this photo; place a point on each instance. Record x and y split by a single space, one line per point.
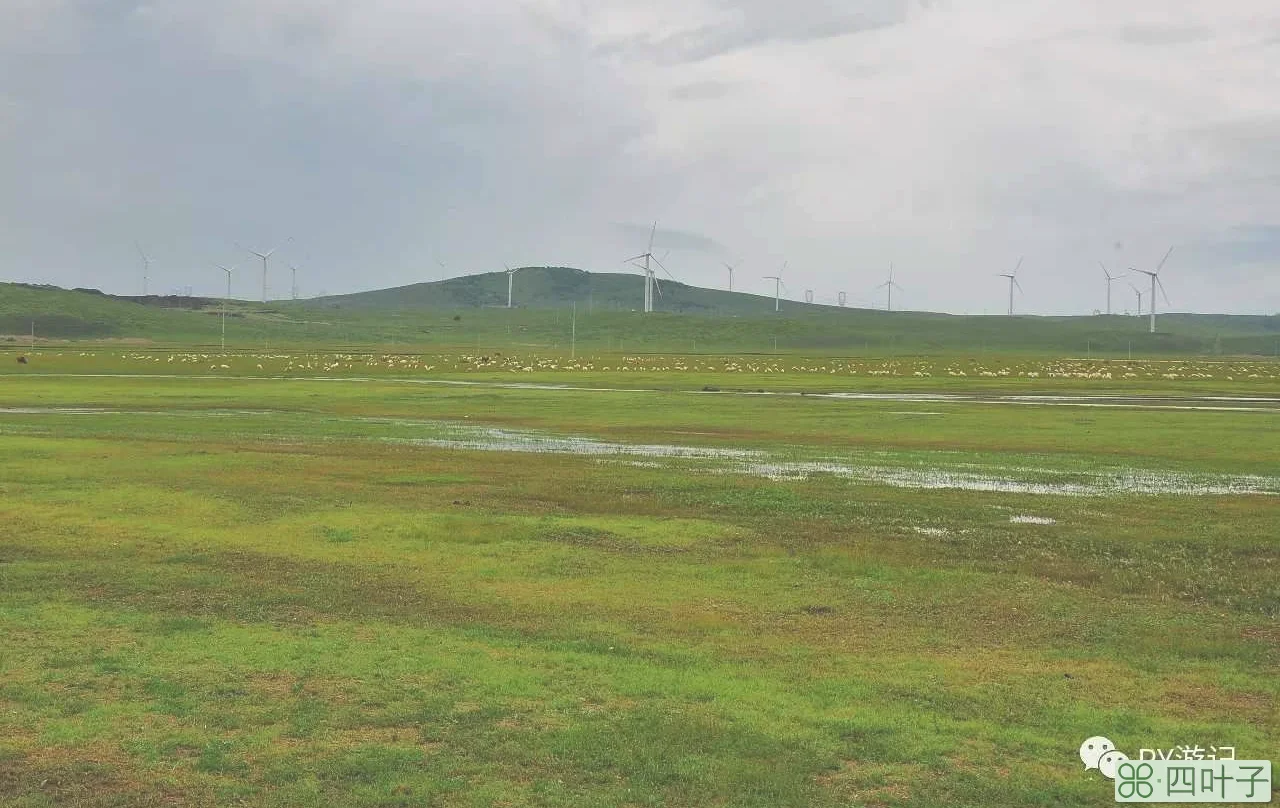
264 256
731 268
1013 281
1110 280
778 286
146 267
1155 281
225 298
888 286
511 273
1137 292
650 276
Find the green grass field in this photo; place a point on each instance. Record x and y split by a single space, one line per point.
595 314
312 579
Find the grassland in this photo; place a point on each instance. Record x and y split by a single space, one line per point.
457 315
309 578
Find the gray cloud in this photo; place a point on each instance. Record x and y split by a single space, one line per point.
385 135
665 238
1164 34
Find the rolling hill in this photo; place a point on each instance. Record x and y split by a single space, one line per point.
555 287
597 311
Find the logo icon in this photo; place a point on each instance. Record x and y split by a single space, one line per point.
1101 754
1187 777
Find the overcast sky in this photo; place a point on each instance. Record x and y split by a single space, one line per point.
389 137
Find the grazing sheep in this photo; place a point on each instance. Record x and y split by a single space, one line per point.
22 360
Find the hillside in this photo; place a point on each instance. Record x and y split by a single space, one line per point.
556 287
470 313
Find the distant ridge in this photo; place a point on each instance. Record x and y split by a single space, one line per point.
470 311
556 287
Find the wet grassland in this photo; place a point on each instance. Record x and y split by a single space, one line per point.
313 591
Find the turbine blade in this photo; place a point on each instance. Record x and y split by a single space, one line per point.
1105 272
1160 284
653 233
1015 283
1019 266
634 258
1160 266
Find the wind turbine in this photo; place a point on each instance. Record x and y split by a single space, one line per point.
843 298
778 286
888 286
650 277
1155 281
1138 292
293 288
227 297
510 277
731 268
1013 281
146 267
1110 280
264 257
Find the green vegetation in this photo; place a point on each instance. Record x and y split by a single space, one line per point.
560 307
273 587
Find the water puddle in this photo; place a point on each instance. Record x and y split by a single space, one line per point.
938 474
919 470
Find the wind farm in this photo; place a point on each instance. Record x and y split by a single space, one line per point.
595 503
350 454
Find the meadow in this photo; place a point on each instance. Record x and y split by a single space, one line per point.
461 578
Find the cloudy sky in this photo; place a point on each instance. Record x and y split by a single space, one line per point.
398 140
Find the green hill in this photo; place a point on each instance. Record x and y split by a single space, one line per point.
597 312
555 287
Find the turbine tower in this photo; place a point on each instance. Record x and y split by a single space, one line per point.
808 295
264 257
1110 280
293 285
731 268
650 277
1155 281
225 298
843 298
1137 292
1013 281
778 286
146 267
889 286
511 273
